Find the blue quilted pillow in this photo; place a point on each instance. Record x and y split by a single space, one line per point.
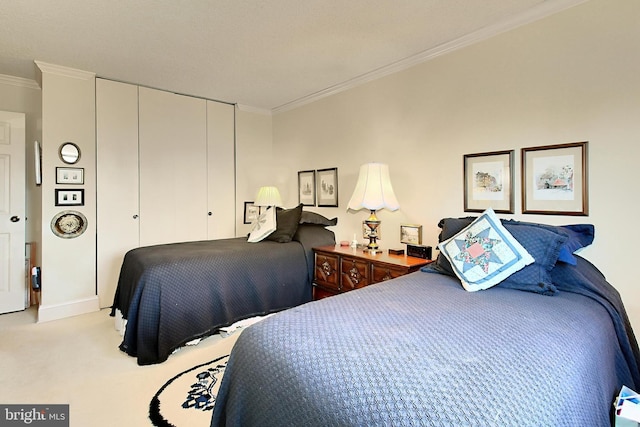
544 244
484 253
579 236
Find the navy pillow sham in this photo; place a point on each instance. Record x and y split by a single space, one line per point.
546 243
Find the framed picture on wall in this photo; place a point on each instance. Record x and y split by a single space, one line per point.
327 187
554 179
251 212
366 231
488 181
69 197
307 188
69 176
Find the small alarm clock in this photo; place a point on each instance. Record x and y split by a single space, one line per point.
419 251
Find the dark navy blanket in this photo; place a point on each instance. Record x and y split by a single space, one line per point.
174 293
419 350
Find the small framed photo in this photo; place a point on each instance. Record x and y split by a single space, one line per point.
327 187
307 188
554 179
69 175
366 231
251 212
73 197
411 234
488 182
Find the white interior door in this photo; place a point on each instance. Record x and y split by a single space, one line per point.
12 210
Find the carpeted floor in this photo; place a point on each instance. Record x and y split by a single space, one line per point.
76 361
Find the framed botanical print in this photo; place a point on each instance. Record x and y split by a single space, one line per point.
488 181
307 188
327 187
554 179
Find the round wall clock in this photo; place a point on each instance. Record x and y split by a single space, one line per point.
68 224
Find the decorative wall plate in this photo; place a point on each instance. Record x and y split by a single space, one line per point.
68 224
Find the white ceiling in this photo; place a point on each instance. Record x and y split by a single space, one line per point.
263 54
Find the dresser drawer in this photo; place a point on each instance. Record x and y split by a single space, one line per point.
354 273
327 271
380 273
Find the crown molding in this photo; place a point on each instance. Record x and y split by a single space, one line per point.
65 71
257 110
19 81
536 13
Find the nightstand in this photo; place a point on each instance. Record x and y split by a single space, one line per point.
340 269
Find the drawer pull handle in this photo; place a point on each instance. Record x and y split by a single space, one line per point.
355 275
326 268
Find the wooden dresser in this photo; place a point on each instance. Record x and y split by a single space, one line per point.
341 268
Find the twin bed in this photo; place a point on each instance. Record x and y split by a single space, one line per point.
549 345
174 293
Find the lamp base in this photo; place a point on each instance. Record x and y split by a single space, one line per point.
373 223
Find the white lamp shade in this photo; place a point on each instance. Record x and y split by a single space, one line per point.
373 189
268 196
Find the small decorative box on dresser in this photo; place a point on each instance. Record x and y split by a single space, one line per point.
340 269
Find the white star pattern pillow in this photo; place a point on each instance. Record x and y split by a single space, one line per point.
263 226
484 253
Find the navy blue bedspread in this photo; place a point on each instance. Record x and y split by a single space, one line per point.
420 350
171 294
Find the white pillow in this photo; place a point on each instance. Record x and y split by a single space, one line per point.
263 226
484 253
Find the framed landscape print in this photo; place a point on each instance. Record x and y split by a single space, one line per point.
488 181
554 179
327 187
411 234
307 188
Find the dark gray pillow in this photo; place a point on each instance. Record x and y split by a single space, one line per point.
316 219
287 221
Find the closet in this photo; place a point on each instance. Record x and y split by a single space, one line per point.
165 173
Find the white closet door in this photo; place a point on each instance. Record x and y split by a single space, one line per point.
221 170
173 167
117 181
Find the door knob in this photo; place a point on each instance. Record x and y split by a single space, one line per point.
14 218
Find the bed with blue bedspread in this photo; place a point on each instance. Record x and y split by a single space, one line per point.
422 350
174 293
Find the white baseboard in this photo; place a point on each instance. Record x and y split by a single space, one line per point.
47 313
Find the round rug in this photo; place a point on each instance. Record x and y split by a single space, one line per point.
188 398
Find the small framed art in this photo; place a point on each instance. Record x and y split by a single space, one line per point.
73 197
366 231
251 212
327 187
554 179
307 188
69 176
411 234
488 181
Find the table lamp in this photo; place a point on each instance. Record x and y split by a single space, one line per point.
268 196
374 192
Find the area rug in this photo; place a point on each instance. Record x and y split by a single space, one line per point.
188 398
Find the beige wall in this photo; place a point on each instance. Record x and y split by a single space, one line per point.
574 76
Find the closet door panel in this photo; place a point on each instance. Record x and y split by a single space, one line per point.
116 180
173 167
221 170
